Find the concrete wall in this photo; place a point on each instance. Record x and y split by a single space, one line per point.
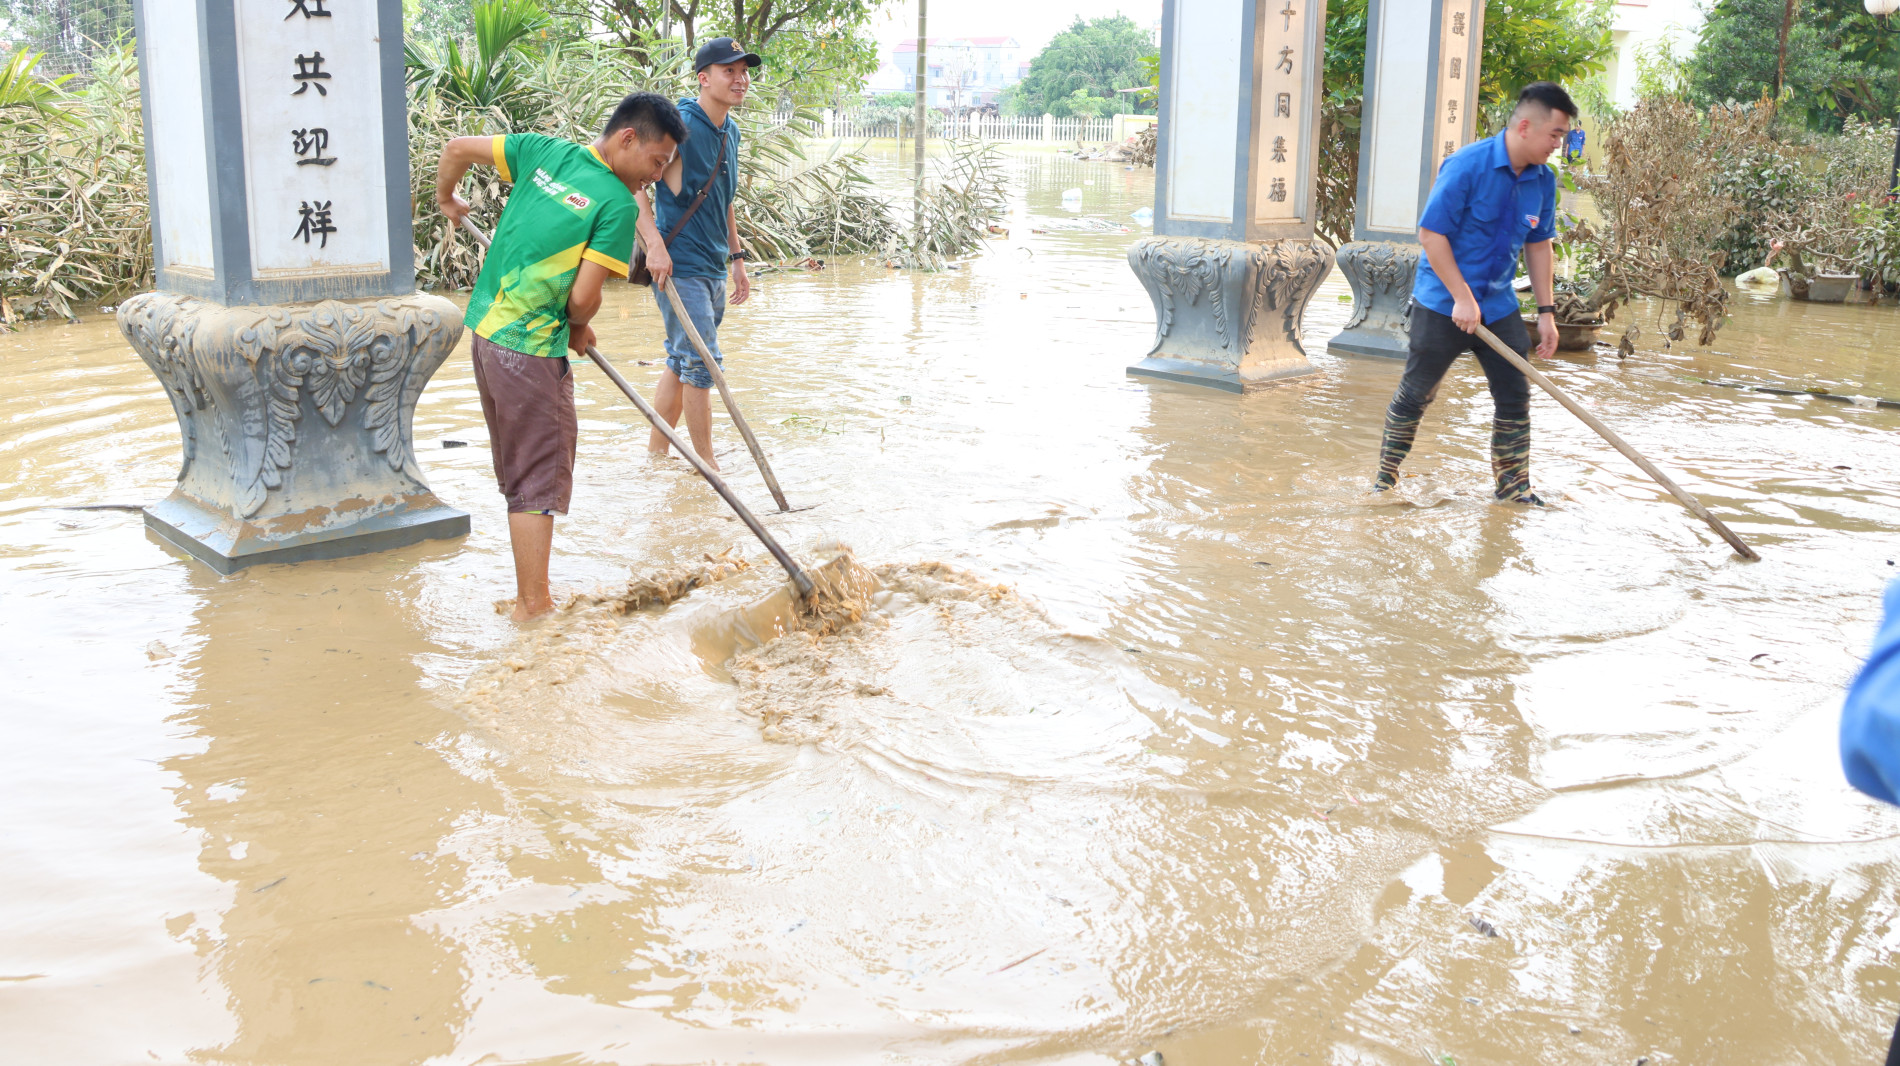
1637 25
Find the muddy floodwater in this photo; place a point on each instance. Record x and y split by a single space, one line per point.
1161 734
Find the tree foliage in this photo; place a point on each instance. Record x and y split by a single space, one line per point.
1841 61
1565 41
1081 69
827 41
70 34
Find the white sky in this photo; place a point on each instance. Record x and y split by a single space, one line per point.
1031 22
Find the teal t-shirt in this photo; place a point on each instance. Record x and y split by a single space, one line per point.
700 249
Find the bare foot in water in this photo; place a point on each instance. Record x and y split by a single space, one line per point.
529 611
668 453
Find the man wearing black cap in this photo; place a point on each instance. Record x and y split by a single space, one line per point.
691 234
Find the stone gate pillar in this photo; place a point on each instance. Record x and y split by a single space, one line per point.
1421 86
285 328
1233 260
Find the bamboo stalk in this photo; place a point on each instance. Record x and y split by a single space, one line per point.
1694 505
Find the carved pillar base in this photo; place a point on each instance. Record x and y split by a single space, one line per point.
297 424
1227 312
1381 276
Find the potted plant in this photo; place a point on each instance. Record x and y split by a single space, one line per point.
1578 317
1665 210
1818 256
1822 240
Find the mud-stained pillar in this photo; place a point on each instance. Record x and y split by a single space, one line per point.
286 328
1233 261
1421 86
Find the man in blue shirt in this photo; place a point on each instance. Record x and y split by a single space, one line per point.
695 259
1494 199
1870 728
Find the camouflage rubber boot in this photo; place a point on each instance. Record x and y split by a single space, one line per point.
1393 449
1511 460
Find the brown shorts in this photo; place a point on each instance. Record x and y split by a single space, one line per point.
528 402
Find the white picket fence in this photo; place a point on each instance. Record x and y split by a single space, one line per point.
1046 129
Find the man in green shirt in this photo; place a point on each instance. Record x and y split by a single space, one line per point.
568 224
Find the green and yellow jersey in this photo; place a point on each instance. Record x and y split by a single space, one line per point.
567 205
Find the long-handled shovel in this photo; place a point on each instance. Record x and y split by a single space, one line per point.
725 394
1694 505
798 575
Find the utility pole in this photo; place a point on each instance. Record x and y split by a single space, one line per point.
920 121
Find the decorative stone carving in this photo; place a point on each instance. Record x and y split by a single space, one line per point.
1227 313
297 424
1380 273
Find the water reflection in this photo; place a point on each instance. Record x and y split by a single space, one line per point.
322 793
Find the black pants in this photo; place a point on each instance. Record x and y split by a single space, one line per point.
1437 341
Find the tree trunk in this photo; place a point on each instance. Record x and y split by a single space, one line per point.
1781 49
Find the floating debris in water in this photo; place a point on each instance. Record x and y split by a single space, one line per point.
156 651
1482 926
455 444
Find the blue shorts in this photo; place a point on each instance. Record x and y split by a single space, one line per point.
705 302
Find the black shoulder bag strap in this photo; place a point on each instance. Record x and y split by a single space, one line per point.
638 273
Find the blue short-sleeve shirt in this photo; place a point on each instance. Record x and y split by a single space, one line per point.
1870 722
1489 213
700 249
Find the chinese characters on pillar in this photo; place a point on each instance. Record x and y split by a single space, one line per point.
1457 72
1286 76
309 143
316 223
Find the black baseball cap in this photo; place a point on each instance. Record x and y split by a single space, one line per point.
723 50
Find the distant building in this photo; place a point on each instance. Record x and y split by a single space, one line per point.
962 71
1637 26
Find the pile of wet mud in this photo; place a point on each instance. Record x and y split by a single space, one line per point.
563 647
845 661
871 649
654 588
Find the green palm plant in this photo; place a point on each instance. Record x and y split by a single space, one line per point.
491 74
20 88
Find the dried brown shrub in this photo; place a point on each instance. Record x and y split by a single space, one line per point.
1666 209
74 225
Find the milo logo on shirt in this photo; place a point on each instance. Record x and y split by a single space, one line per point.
546 183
